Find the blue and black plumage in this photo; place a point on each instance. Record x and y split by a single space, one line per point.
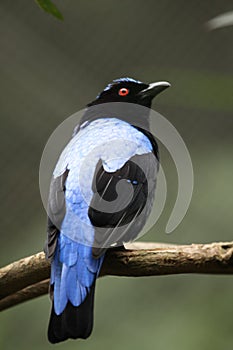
106 148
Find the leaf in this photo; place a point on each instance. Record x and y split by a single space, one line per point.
49 7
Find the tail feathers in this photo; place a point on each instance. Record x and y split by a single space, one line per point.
74 322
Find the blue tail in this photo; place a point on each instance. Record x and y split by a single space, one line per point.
73 275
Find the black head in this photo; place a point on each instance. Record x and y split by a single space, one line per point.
130 91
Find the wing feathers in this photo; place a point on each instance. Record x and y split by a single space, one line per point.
116 226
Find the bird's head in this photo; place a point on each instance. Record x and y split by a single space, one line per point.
132 94
130 91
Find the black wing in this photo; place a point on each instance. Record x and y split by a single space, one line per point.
56 212
119 225
56 208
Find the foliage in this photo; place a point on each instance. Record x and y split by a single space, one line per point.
49 7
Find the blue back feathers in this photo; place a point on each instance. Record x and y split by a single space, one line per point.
73 272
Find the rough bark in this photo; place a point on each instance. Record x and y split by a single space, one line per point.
28 278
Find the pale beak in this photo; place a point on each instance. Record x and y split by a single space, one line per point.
154 89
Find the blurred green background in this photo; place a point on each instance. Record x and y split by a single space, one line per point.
51 69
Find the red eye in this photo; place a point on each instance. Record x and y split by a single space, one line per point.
123 92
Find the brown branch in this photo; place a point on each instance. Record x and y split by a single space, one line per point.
23 273
28 278
25 294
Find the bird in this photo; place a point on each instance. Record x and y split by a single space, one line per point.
111 148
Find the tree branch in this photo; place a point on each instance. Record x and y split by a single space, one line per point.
28 278
25 294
